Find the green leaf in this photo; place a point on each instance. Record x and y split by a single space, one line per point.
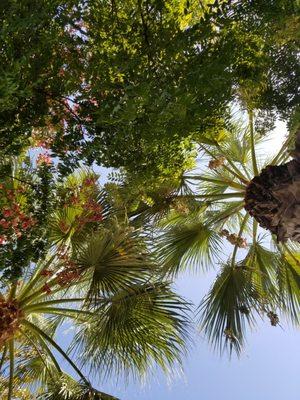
288 278
133 329
228 308
187 246
115 259
64 387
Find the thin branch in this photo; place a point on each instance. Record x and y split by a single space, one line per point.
62 311
216 195
253 155
35 277
57 301
145 27
39 294
3 357
66 105
57 347
52 282
11 369
246 172
41 355
255 226
243 224
19 180
232 184
283 148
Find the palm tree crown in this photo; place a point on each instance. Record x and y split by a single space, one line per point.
225 202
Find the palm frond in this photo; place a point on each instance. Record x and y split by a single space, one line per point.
288 278
73 222
238 145
262 264
65 228
189 245
135 328
64 387
191 210
34 366
228 308
228 214
218 181
115 259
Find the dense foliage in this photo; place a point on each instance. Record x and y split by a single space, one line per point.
132 83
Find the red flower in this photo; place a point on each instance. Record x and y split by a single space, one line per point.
5 224
3 240
89 181
67 276
7 213
26 224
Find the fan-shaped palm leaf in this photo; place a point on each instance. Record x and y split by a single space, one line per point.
229 307
115 258
187 245
288 277
128 331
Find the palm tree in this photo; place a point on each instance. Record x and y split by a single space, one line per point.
225 203
99 274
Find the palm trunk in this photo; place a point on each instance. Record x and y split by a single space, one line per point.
273 198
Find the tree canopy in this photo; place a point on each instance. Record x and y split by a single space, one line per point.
132 84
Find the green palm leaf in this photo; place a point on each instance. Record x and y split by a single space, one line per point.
263 263
66 388
133 329
65 228
189 245
288 278
228 308
115 259
227 214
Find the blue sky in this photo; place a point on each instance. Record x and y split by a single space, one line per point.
267 369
